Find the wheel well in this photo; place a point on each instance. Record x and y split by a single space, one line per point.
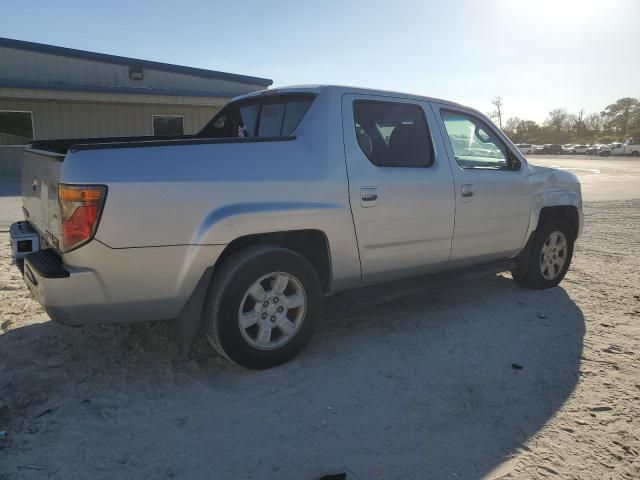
566 213
311 244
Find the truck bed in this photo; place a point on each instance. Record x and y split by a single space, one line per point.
62 146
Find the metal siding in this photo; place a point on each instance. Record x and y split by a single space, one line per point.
58 119
43 67
127 61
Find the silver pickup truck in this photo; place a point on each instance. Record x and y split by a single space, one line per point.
285 196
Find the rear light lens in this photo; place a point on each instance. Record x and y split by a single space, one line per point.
80 210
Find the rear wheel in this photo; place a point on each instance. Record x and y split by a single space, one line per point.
262 306
635 154
549 257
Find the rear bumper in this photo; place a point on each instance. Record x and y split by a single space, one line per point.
71 296
97 284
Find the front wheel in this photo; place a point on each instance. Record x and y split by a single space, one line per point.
549 257
262 306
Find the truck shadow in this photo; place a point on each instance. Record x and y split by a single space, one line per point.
410 380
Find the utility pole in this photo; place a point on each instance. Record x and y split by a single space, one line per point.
497 102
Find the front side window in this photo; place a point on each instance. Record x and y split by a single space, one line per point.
262 116
168 125
15 128
392 134
474 144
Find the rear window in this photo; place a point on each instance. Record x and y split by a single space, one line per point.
263 116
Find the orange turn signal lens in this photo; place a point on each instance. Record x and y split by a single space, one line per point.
80 210
85 194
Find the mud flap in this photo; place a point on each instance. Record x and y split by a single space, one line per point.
188 322
522 259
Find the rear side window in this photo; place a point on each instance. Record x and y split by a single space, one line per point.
264 116
392 134
271 120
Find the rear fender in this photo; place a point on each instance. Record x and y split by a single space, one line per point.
236 220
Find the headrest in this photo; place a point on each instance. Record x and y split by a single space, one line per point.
406 144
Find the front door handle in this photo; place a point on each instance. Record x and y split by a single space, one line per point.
368 196
466 192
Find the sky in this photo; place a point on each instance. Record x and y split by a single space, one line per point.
536 54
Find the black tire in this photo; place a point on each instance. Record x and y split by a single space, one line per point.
528 272
635 153
227 290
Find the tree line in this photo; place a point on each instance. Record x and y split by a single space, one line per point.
616 122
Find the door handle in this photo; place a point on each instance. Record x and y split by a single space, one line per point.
368 196
466 192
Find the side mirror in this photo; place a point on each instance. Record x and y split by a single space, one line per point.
514 162
481 134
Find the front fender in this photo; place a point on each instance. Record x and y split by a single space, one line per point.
554 188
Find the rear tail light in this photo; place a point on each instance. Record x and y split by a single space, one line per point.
80 210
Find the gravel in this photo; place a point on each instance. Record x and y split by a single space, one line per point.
412 380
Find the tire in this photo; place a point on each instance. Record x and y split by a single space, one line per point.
530 271
229 297
635 153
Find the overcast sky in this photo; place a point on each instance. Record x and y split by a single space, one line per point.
536 54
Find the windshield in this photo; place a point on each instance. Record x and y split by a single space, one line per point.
262 116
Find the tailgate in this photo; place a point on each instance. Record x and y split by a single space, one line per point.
40 175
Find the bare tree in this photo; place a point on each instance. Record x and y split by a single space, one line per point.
593 122
558 119
620 115
511 127
497 113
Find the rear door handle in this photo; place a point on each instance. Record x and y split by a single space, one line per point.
466 192
368 196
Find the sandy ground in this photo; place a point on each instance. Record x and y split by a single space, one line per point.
410 381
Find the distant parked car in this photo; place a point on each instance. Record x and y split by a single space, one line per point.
580 149
604 151
538 149
552 148
592 149
525 148
617 148
632 147
568 148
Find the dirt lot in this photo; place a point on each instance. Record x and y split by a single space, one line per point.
412 381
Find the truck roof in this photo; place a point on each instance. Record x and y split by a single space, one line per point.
344 89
